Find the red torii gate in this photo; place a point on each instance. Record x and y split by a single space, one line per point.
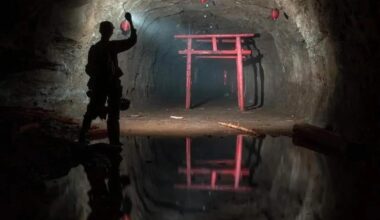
238 54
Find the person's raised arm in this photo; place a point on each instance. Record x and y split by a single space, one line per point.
119 46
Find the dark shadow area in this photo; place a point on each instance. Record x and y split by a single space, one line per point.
355 105
255 60
206 100
254 158
214 82
36 171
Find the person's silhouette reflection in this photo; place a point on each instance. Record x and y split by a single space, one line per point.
105 197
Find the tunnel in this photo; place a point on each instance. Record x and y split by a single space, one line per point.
292 134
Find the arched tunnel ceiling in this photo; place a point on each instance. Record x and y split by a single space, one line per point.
73 19
230 16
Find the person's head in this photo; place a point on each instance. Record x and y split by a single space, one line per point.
106 29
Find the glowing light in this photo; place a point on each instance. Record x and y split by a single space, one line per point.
125 26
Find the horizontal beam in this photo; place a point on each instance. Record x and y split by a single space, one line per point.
215 162
216 187
218 57
203 36
223 41
205 171
210 52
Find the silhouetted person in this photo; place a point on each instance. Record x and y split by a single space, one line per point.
104 84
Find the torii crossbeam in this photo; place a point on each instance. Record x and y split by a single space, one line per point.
238 54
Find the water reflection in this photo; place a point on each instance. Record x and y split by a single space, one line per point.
189 174
219 163
218 171
171 173
43 179
101 162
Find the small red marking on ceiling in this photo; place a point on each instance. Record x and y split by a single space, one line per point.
275 13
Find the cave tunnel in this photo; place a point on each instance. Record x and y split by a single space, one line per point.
292 135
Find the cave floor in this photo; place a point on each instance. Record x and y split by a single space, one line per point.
200 121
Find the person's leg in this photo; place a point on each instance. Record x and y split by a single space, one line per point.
87 119
113 126
96 102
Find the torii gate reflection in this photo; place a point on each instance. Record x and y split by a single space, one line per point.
234 169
